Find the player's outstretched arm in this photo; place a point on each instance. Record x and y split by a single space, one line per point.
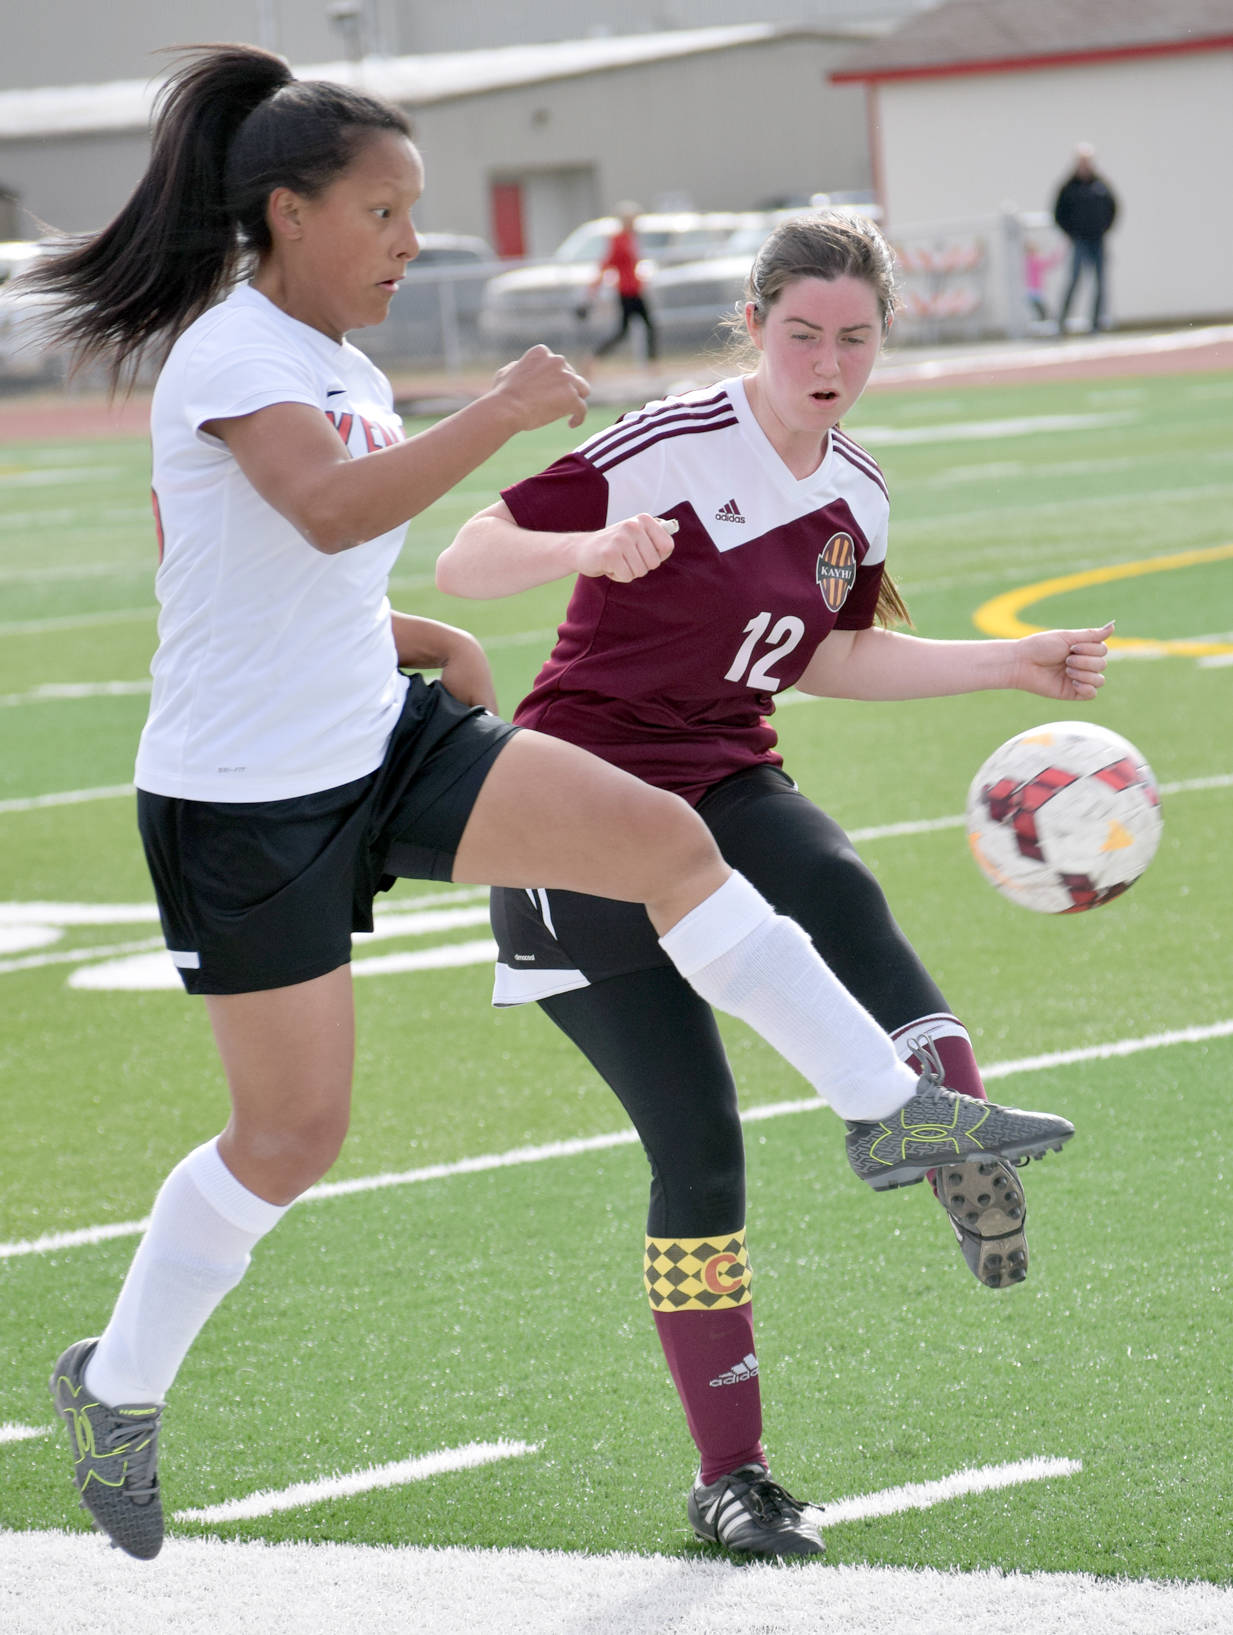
889 664
297 463
1064 664
492 556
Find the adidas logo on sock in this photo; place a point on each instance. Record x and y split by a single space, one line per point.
729 513
746 1369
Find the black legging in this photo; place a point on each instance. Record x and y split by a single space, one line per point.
656 1043
632 306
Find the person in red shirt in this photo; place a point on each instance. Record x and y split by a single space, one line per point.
622 261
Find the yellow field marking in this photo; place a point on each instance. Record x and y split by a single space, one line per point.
1000 617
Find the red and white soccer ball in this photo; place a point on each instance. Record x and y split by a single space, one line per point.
1063 817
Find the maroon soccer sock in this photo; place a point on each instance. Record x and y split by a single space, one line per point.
714 1366
950 1039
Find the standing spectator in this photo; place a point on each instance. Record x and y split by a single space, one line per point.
622 260
1085 209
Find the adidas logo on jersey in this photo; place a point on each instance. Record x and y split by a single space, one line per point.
746 1369
729 513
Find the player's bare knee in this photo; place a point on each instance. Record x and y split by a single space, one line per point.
684 864
292 1157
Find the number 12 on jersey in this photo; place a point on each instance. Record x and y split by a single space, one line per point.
780 641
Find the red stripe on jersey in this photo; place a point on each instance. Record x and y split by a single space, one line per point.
158 524
856 455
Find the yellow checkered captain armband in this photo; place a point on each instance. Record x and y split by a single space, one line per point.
697 1274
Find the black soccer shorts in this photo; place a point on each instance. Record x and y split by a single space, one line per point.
263 894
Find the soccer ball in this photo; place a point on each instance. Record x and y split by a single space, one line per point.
1064 817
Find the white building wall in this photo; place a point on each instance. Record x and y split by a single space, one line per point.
964 146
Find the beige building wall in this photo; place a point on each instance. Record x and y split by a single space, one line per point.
727 129
71 184
965 145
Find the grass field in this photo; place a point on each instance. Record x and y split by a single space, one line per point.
501 1304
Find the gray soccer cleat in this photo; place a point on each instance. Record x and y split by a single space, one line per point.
115 1457
936 1126
985 1203
746 1511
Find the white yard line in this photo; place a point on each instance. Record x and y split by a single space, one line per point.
211 1586
398 1474
84 1237
65 797
9 1432
924 1495
55 692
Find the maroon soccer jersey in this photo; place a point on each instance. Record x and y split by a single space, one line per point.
673 677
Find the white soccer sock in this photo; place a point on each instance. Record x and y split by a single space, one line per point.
196 1248
745 959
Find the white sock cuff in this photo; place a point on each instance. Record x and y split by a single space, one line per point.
938 1025
718 923
233 1201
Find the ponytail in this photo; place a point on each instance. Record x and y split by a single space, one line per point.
231 124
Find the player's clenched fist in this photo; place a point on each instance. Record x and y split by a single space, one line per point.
626 550
541 387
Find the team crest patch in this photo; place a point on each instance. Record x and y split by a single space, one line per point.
837 570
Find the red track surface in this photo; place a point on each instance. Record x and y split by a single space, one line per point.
45 416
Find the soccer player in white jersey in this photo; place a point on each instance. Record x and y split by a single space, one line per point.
730 543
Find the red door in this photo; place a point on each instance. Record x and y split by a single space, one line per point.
505 203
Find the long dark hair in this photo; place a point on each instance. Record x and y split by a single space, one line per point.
231 124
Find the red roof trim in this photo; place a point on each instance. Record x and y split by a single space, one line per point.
1056 59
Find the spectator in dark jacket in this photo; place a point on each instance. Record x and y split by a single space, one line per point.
1084 210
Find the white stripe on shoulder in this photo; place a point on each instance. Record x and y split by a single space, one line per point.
670 411
859 457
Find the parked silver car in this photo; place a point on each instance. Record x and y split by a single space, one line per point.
433 314
693 300
540 301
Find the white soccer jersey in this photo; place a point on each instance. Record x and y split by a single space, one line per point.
276 673
673 676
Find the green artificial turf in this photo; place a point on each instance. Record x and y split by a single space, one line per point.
508 1303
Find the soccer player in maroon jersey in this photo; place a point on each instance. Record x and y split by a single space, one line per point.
730 543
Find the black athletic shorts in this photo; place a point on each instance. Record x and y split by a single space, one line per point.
552 942
263 894
559 942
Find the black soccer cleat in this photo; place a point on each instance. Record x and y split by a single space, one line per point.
748 1512
115 1457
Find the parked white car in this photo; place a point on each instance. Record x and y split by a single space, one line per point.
23 353
540 301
